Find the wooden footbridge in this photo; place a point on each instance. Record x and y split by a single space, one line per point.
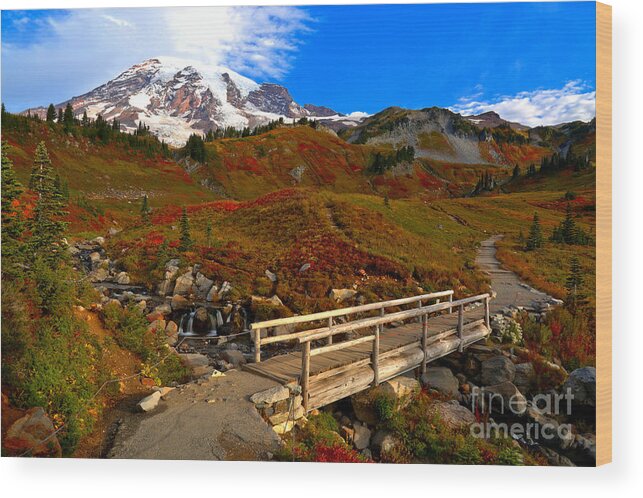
381 340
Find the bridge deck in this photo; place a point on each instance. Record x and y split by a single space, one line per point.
395 342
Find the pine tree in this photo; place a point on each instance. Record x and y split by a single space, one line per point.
185 240
568 227
208 233
387 202
12 221
46 226
51 113
535 240
573 284
516 172
145 210
85 119
68 117
60 116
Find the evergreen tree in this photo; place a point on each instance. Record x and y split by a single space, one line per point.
516 172
46 226
185 242
85 120
12 221
145 210
573 284
208 233
51 113
60 116
387 202
535 239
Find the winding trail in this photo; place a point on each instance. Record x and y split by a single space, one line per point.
510 290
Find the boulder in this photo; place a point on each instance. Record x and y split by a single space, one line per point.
582 384
183 284
165 287
29 433
98 275
454 414
383 441
272 395
524 377
156 326
163 309
441 379
122 278
213 294
497 370
340 295
202 285
171 328
150 402
271 276
201 321
198 363
398 389
225 288
505 398
98 240
179 303
555 434
361 436
234 356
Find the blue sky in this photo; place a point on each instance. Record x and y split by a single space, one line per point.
533 62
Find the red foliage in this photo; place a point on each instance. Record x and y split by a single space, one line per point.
330 454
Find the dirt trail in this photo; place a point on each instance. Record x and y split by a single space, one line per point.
210 420
510 290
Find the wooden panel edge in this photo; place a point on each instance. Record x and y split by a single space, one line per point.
604 233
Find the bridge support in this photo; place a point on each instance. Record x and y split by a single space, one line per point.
460 327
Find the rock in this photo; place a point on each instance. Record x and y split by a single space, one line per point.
154 315
233 356
163 309
275 301
201 321
202 285
156 326
281 417
454 414
164 391
505 398
582 384
272 395
284 427
271 276
398 389
150 402
524 377
383 441
340 295
122 278
165 287
361 436
213 294
98 275
497 370
225 288
29 432
442 380
98 240
554 458
198 363
556 434
171 328
183 284
179 303
94 259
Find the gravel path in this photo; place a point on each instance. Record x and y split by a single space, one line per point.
510 290
209 420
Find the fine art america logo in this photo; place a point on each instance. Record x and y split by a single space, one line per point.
539 424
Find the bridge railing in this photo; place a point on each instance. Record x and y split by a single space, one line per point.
331 327
378 323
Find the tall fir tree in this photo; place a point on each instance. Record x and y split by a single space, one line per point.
60 118
12 220
51 113
46 226
145 210
68 117
573 283
185 242
535 239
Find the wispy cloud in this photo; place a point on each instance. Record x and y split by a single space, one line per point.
574 101
72 53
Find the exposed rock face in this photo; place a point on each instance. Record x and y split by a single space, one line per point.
454 414
524 377
441 379
582 383
272 395
27 432
505 398
183 284
177 97
497 370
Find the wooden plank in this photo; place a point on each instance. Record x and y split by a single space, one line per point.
340 345
348 311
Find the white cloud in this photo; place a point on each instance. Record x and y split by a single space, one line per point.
575 101
72 54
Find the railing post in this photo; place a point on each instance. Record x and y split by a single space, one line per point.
329 341
460 327
486 313
375 359
425 334
305 374
450 300
419 306
257 339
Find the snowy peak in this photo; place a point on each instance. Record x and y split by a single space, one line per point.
177 97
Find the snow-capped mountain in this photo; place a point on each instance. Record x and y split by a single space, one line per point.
177 97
